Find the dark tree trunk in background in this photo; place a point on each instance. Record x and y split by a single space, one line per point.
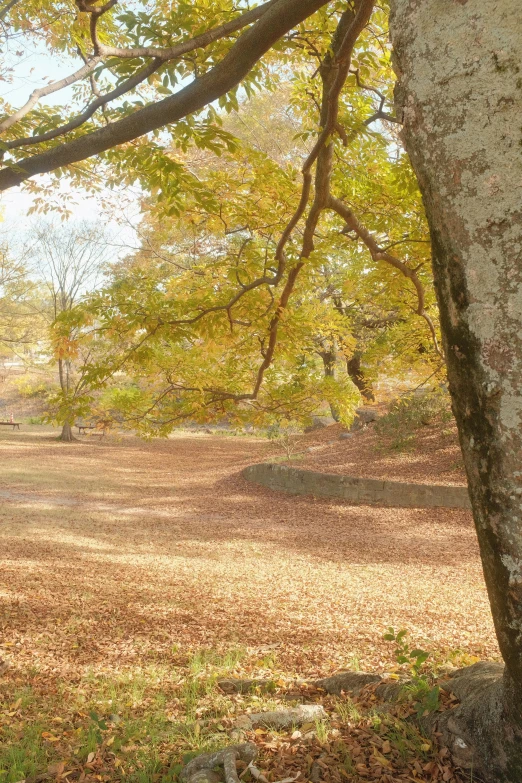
355 371
329 359
459 95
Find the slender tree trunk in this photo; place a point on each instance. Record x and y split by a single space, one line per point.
329 358
356 374
66 434
61 376
459 95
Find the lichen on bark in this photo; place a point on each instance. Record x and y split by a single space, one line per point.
459 95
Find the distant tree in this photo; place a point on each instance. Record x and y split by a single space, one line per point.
20 321
68 260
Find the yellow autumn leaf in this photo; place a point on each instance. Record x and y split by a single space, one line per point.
384 762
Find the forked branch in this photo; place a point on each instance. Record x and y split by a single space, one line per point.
274 19
379 254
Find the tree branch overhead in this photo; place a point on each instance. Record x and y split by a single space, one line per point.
277 18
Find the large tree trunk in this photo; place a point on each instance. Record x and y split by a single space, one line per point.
66 434
459 95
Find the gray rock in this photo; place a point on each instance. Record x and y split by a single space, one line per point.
320 422
345 435
363 417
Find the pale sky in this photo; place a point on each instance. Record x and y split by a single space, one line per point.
33 68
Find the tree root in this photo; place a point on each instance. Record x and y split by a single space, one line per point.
283 719
350 682
483 732
201 769
257 774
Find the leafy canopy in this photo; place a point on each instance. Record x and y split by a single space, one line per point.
262 253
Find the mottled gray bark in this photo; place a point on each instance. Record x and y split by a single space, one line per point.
226 758
459 95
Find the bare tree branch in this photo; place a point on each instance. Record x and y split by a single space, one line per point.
95 11
159 55
98 103
199 42
35 96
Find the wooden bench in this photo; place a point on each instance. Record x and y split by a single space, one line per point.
94 429
84 427
13 424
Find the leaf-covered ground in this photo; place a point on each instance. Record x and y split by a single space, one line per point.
431 457
134 574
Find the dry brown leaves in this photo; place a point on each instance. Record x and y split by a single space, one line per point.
436 458
378 746
121 555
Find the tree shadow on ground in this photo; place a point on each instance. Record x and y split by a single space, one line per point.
183 550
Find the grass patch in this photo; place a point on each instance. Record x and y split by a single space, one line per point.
347 711
130 725
23 752
137 725
144 724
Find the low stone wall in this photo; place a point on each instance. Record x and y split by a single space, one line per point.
356 490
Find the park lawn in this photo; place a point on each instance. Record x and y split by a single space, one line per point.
134 575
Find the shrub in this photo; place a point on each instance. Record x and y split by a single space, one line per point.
420 689
286 434
32 389
410 412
